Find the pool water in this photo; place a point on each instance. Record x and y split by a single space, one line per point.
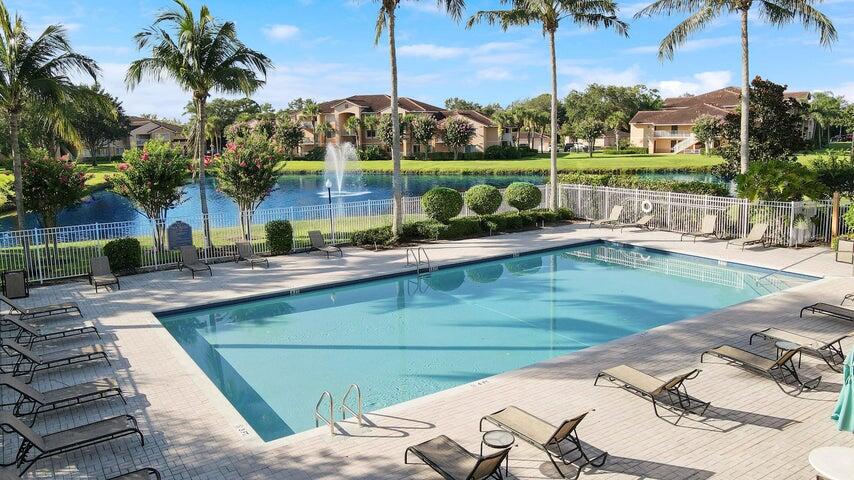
404 337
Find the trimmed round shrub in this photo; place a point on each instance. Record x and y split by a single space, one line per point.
280 236
523 195
483 199
442 203
124 254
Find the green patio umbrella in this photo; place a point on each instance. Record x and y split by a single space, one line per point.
844 411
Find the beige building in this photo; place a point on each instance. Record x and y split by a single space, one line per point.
142 130
669 130
335 113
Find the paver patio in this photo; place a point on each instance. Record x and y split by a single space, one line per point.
753 429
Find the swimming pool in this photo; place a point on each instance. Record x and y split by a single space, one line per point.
407 336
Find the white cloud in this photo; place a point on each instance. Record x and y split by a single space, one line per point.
689 46
281 32
581 76
846 90
431 51
699 83
494 74
162 98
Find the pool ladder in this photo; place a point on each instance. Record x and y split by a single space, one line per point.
413 258
326 395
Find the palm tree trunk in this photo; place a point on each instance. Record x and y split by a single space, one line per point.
745 94
203 196
553 139
397 210
14 122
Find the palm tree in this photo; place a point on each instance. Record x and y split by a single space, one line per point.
310 111
541 121
354 124
35 71
386 20
616 122
549 14
324 130
201 55
502 119
705 12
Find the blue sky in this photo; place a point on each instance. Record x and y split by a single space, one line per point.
324 49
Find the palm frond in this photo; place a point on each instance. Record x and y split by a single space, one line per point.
667 7
679 35
781 12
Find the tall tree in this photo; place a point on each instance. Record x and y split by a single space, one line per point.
826 110
704 12
386 21
354 125
503 119
549 14
310 112
35 70
616 122
202 55
99 119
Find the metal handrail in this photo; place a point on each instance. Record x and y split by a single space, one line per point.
318 416
345 408
413 257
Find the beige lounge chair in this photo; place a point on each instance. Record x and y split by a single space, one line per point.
783 367
28 362
828 350
758 234
613 219
35 447
642 223
100 274
31 402
453 462
647 385
545 436
190 260
834 311
319 244
246 254
708 229
42 311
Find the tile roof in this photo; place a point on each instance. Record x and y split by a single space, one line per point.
378 103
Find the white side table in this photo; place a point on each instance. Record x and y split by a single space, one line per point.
833 463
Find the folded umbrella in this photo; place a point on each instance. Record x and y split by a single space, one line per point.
843 414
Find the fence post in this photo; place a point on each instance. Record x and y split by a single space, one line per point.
670 210
39 265
791 230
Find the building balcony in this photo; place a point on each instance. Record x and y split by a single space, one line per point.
671 134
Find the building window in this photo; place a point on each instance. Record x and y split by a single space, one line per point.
674 128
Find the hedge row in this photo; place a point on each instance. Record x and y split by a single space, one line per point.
458 228
634 181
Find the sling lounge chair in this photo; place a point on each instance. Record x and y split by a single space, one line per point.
782 367
319 244
28 334
758 234
190 260
453 462
828 350
613 219
100 274
707 229
647 385
28 362
42 311
142 474
545 436
642 223
246 254
829 310
35 447
33 402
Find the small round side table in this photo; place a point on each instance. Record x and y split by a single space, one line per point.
833 463
499 440
784 346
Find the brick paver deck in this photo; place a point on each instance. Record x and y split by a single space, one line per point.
753 430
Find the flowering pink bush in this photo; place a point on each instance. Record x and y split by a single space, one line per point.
51 184
246 170
152 177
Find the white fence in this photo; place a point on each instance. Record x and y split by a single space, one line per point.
790 223
64 252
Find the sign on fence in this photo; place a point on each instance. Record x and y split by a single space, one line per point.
178 235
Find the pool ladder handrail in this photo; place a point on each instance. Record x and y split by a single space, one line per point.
415 255
345 408
319 416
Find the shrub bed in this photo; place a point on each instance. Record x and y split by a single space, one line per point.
124 254
280 236
316 153
624 151
634 181
373 236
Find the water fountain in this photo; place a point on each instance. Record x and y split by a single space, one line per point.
341 170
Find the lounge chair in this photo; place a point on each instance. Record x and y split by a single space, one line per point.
828 350
28 334
708 229
613 219
100 274
319 244
142 474
545 436
653 387
246 254
31 402
642 223
829 310
42 311
783 366
28 362
453 462
190 260
757 234
35 447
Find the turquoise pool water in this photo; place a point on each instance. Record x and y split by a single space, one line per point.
404 337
